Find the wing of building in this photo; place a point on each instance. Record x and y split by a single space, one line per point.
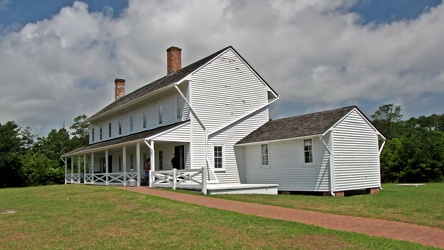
212 117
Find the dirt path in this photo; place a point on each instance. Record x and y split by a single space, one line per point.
388 229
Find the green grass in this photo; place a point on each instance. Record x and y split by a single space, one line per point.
92 217
423 205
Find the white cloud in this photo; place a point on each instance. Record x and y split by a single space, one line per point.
313 53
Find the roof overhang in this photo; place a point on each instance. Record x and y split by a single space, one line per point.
278 140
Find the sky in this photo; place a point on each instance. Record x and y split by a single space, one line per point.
59 59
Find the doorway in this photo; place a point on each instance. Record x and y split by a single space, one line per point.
179 150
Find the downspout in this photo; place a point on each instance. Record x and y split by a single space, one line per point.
205 175
330 176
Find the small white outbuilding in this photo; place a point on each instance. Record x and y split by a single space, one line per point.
331 152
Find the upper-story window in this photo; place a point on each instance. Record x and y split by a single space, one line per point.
308 151
264 154
109 129
179 108
218 157
160 113
92 135
120 126
145 117
131 123
101 133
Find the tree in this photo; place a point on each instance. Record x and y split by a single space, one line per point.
386 118
81 131
10 165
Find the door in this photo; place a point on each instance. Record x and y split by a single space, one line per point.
179 151
110 163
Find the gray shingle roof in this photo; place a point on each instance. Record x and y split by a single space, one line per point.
128 138
297 126
157 84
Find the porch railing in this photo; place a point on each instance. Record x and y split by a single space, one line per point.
72 178
176 178
100 178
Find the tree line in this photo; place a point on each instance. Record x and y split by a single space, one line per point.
413 151
29 160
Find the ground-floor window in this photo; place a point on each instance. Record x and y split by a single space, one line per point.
308 151
218 157
160 159
120 163
264 154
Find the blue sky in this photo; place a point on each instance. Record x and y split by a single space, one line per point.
59 58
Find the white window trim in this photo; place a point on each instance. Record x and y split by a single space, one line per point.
160 114
179 108
268 156
120 126
222 169
312 151
145 118
131 123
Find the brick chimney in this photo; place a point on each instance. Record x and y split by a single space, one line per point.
120 88
174 59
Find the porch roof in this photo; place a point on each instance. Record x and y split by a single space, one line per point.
297 126
123 139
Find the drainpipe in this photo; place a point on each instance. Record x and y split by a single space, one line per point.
205 175
330 173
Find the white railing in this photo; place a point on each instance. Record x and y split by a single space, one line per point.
88 179
118 179
176 178
72 178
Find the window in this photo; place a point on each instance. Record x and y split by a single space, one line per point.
160 109
92 135
109 129
100 133
308 150
264 153
120 163
179 108
131 161
160 159
145 116
218 157
120 127
131 123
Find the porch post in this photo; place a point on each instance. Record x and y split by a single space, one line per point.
84 168
91 166
72 169
66 169
152 156
138 163
78 168
106 167
124 165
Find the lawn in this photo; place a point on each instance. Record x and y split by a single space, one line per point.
422 205
99 217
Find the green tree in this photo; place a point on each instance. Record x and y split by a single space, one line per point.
386 118
81 131
10 165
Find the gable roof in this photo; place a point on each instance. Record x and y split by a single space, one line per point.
171 78
123 139
297 126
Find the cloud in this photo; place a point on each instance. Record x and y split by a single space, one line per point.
4 4
315 54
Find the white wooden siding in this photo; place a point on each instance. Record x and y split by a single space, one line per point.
286 166
355 154
222 92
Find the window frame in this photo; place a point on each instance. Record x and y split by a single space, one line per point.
131 120
267 155
92 134
145 118
101 133
221 157
109 130
309 151
160 113
179 108
120 126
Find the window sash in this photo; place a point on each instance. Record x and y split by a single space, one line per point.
109 129
218 157
264 154
308 151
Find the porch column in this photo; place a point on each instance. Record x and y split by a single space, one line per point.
152 167
91 166
106 167
152 156
124 165
84 168
72 169
78 168
66 168
138 163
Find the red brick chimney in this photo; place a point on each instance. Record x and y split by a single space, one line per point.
174 59
120 88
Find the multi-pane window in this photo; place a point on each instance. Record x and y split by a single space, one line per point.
179 108
218 157
109 129
160 159
264 154
131 123
120 127
308 151
92 135
160 113
145 117
101 133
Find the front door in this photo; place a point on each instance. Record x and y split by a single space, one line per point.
179 151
